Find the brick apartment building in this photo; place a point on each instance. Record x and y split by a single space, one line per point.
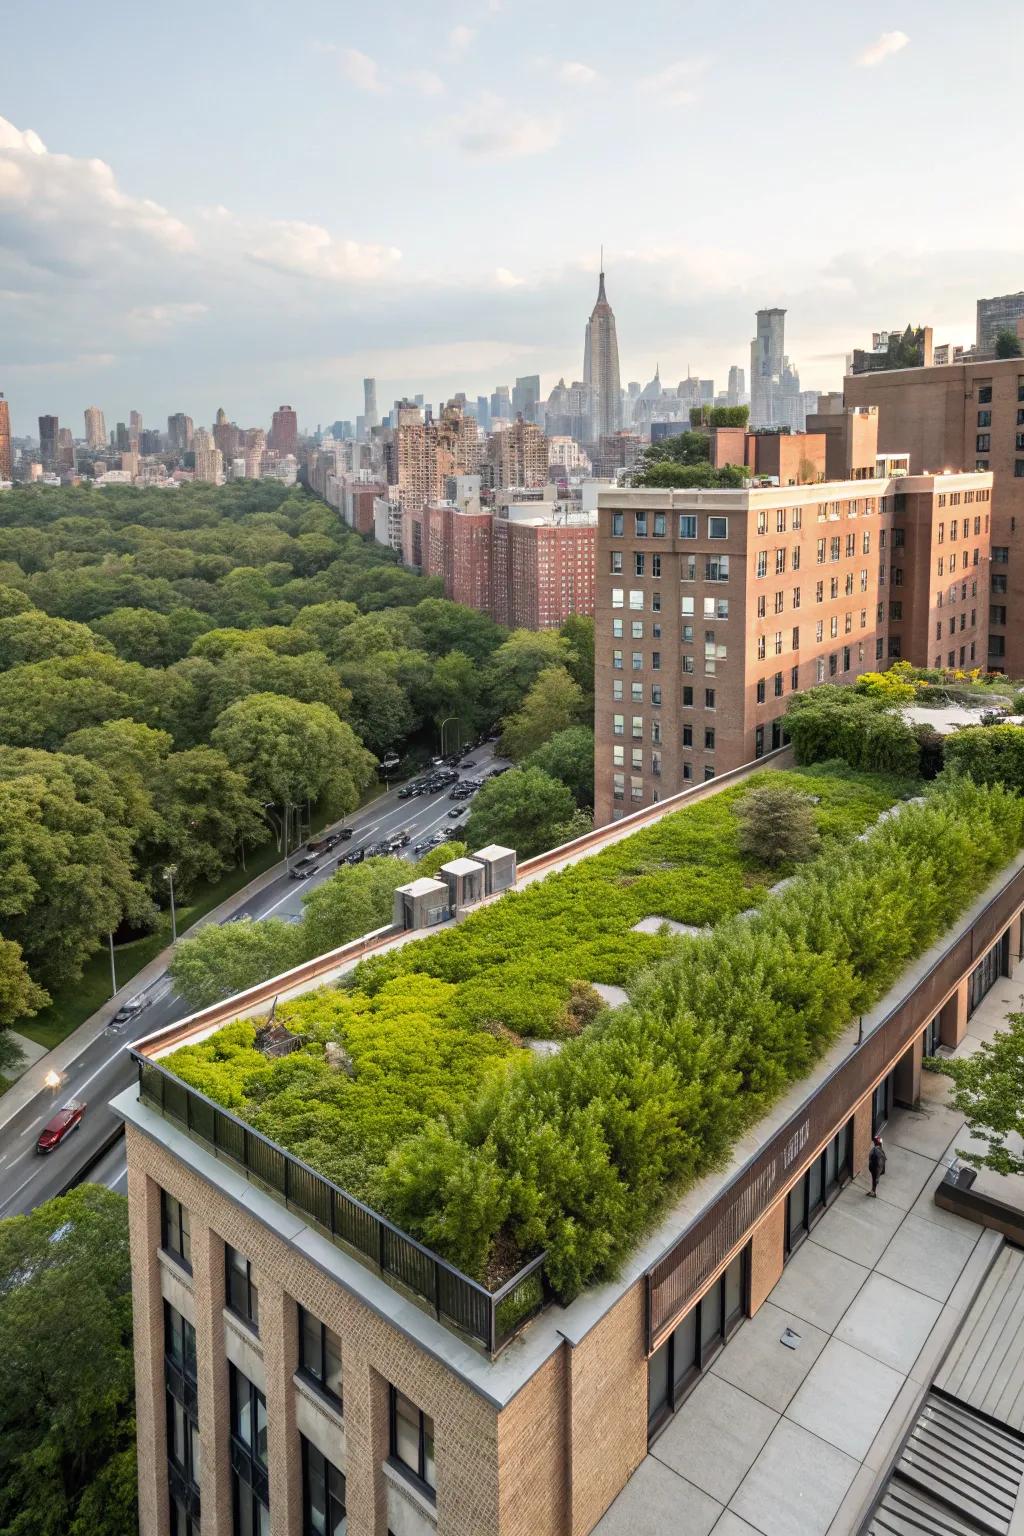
713 607
294 1372
968 413
529 570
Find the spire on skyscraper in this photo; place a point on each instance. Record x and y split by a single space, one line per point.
601 363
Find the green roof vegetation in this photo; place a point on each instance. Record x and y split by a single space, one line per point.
434 1031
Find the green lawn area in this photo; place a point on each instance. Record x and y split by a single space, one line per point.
73 1004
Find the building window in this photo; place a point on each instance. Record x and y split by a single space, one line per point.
618 725
618 786
694 1342
636 599
616 562
617 660
639 564
1000 555
984 394
709 772
640 524
760 690
323 1494
687 525
983 442
687 735
637 629
655 693
759 741
688 697
242 1294
659 525
175 1230
997 615
618 524
250 1483
655 565
320 1355
762 562
716 568
638 661
182 1407
818 1186
778 685
412 1439
618 597
718 527
709 739
984 418
780 562
709 698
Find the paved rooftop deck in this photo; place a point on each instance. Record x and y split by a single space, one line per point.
775 1441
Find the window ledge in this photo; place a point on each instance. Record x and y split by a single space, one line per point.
403 1483
244 1330
326 1405
176 1266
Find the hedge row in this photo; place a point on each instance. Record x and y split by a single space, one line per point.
579 1153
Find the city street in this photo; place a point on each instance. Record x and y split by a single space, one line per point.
102 1069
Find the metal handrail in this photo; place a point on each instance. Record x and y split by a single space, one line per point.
455 1298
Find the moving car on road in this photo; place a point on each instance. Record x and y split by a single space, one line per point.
304 867
128 1011
61 1125
460 810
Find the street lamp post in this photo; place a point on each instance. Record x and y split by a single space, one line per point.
113 969
449 721
169 874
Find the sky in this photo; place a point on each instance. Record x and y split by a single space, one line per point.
258 203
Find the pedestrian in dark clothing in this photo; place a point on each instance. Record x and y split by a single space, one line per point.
876 1164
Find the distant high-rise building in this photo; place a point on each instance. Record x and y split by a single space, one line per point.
226 436
767 360
284 430
209 460
49 426
179 432
6 455
601 366
526 396
95 428
517 456
501 404
483 412
737 387
65 450
149 442
371 415
995 315
134 427
122 439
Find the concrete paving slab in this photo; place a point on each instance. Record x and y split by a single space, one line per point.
926 1131
851 1511
818 1285
926 1257
796 1484
656 1501
925 1208
714 1439
730 1524
905 1408
857 1227
846 1397
905 1176
763 1367
889 1321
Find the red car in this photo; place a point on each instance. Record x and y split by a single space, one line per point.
63 1123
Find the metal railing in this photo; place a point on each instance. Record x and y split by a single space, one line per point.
682 1272
489 1318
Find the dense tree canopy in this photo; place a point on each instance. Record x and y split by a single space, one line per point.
203 657
67 1429
525 809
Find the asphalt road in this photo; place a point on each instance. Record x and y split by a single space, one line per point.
103 1069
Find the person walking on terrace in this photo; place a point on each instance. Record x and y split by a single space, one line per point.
876 1164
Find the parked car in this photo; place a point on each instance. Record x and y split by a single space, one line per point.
496 772
343 835
329 840
400 840
425 846
304 867
61 1125
469 763
355 857
408 791
129 1010
460 810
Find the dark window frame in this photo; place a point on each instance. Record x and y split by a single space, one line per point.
417 1475
679 1385
247 1306
176 1230
332 1498
318 1378
814 1190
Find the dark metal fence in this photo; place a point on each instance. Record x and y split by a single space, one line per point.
680 1274
491 1318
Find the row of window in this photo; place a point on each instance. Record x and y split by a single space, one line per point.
968 653
953 623
656 525
953 528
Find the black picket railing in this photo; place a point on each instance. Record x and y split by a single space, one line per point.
490 1318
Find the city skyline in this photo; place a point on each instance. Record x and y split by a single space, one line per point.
144 266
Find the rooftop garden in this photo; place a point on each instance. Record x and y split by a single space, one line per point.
413 1089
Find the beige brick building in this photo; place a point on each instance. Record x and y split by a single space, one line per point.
713 607
959 416
289 1381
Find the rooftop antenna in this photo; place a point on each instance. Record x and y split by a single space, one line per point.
602 258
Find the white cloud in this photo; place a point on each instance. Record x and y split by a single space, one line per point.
575 73
883 48
153 317
312 251
361 70
426 82
491 130
460 38
506 279
676 85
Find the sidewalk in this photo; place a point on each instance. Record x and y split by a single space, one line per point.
774 1441
25 1088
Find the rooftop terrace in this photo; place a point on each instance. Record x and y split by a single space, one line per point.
434 1114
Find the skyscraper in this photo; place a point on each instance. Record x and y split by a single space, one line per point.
6 457
209 460
134 428
737 386
767 360
65 450
179 431
995 315
526 396
371 415
95 427
601 365
284 430
49 427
